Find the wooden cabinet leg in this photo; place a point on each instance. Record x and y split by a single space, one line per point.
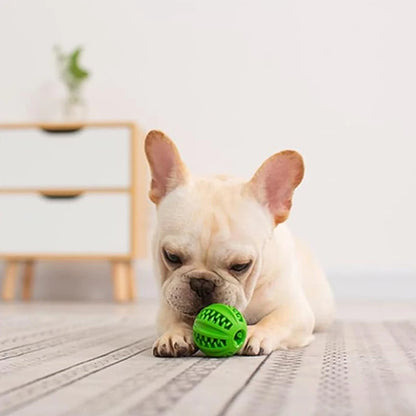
131 281
28 280
9 284
120 281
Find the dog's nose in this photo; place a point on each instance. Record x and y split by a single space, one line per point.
202 287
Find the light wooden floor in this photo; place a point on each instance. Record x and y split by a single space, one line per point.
93 359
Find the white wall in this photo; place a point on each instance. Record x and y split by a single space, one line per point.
234 81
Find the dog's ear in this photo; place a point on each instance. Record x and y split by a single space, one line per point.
167 168
274 182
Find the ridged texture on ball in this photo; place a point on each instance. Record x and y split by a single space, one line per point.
219 330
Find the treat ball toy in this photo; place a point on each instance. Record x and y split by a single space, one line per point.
219 330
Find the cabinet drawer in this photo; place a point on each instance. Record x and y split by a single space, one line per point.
89 157
91 224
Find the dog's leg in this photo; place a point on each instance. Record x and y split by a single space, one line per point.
281 329
177 338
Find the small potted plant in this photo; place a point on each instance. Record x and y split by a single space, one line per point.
73 76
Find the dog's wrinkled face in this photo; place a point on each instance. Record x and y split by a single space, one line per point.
211 233
209 244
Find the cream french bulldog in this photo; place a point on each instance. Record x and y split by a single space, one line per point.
220 239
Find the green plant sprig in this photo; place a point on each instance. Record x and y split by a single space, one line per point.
71 74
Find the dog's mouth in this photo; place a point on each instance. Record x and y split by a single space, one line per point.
191 314
187 302
191 311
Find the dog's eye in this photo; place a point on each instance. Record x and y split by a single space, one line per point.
172 258
240 267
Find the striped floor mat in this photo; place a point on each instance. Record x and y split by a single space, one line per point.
71 363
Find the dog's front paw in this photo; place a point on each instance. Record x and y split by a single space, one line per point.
176 342
259 341
263 341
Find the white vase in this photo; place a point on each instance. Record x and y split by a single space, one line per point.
51 103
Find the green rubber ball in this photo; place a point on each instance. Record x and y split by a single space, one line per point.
219 330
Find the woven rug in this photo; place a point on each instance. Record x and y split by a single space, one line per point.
70 363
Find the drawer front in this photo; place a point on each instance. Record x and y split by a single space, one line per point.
90 157
91 224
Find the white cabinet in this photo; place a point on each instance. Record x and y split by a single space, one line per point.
72 192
